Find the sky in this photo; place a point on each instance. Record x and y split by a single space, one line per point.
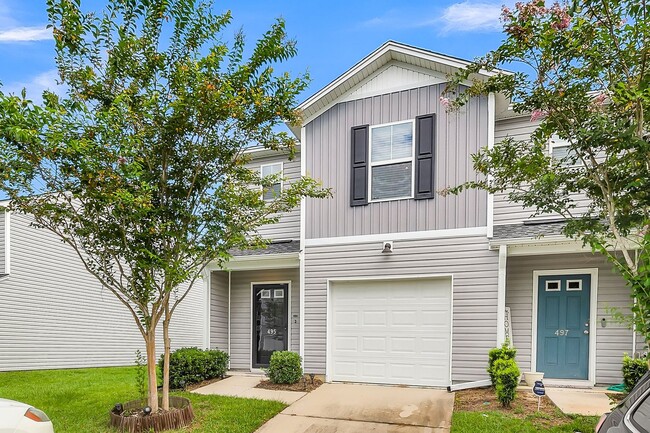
331 36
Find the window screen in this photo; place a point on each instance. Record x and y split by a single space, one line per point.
271 192
391 150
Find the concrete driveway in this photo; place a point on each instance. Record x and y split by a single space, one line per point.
351 408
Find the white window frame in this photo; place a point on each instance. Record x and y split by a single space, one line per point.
281 164
411 159
569 289
559 142
559 286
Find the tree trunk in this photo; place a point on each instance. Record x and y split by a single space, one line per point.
150 341
167 343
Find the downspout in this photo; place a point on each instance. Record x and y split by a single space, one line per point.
229 285
501 295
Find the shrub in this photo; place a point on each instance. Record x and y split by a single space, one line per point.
506 374
504 352
192 365
633 369
285 367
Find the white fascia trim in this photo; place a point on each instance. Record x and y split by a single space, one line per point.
7 242
490 145
403 236
384 49
593 311
301 255
501 295
263 261
229 291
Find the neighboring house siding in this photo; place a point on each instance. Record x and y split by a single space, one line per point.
289 225
611 341
328 150
505 211
219 310
54 314
474 270
241 316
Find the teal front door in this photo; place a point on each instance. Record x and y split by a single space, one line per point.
563 326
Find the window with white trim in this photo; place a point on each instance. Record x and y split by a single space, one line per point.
391 161
272 191
560 150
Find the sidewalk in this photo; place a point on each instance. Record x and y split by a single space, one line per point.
244 386
578 401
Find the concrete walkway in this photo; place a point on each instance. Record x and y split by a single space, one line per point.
244 386
580 401
349 408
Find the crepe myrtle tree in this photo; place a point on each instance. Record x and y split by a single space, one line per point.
584 76
140 166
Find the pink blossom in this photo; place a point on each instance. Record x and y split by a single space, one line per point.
562 23
537 114
444 101
600 99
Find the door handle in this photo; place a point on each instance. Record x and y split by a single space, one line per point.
586 331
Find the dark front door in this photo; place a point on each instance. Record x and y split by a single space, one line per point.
563 326
270 321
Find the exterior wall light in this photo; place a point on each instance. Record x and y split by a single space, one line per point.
388 247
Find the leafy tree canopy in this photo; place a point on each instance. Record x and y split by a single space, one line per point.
586 81
141 166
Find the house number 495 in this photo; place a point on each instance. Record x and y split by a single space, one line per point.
562 332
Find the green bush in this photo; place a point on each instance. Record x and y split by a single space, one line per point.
192 365
285 367
506 376
633 369
504 352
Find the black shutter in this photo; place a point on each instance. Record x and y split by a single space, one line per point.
359 173
425 139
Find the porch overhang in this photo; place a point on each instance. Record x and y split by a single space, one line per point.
542 246
267 261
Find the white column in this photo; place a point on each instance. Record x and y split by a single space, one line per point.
490 145
501 295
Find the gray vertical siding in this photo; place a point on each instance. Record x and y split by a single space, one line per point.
219 310
240 311
328 159
289 225
506 212
54 314
474 270
611 341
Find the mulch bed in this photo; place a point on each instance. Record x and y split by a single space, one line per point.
304 385
194 386
524 405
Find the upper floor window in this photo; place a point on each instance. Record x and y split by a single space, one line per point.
391 161
272 191
560 150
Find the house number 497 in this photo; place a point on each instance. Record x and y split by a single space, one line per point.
562 332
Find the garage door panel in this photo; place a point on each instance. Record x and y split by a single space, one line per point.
402 331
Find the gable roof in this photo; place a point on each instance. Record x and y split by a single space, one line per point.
390 51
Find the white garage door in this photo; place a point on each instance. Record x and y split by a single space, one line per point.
395 332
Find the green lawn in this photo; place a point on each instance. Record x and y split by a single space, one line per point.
467 422
78 401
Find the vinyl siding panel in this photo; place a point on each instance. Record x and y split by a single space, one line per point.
474 270
288 227
505 211
458 135
219 310
611 341
241 315
54 314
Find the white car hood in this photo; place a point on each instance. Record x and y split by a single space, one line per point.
4 403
